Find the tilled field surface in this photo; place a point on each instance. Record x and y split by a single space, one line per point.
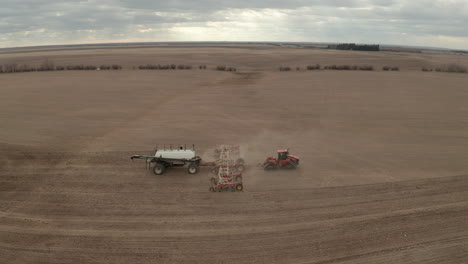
383 175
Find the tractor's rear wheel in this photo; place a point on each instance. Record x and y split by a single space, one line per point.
269 167
159 169
239 187
192 169
290 165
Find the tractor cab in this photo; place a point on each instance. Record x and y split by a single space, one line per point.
283 154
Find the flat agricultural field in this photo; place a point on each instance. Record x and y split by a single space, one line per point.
383 176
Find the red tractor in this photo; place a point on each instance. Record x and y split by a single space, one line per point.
284 161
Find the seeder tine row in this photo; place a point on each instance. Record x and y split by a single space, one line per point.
225 168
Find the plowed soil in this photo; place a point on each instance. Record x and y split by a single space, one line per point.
383 176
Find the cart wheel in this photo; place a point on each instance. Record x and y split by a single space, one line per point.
240 168
239 187
212 189
239 178
192 169
159 169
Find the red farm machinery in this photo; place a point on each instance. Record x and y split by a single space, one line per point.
228 169
284 161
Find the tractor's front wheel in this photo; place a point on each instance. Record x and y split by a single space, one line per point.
159 169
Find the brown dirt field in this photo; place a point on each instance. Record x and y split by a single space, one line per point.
383 175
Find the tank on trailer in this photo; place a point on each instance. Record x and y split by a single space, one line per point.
186 154
177 156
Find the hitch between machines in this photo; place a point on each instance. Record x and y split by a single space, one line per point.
141 157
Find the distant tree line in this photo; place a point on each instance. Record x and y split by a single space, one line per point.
335 67
225 68
452 67
48 65
353 46
164 67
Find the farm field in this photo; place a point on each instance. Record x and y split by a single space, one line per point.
383 176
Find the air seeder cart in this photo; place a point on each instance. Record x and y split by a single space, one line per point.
167 156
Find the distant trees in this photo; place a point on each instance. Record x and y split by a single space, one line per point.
452 67
164 67
388 68
313 67
225 68
350 67
353 46
49 65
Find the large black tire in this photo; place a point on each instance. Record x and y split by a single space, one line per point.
238 178
269 167
159 169
290 166
192 168
239 187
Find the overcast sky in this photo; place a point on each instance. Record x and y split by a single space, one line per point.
437 23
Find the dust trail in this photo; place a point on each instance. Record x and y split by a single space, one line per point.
266 144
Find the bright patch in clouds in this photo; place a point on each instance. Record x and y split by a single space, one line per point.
236 25
439 23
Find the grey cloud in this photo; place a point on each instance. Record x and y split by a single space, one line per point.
204 5
370 21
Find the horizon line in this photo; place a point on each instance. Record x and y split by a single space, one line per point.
227 42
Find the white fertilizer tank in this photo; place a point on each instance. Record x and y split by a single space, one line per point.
180 154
